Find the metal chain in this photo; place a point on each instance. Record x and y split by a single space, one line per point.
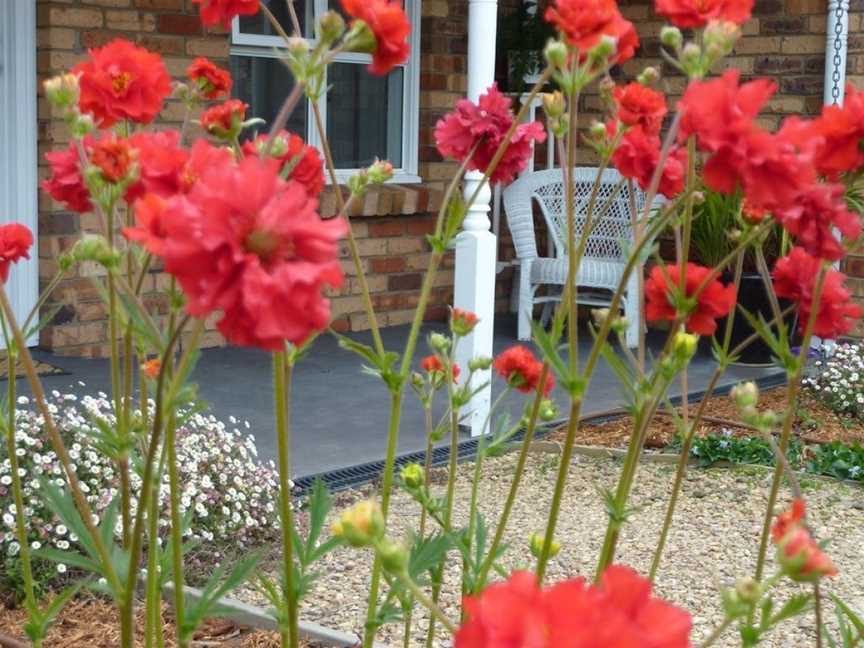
837 60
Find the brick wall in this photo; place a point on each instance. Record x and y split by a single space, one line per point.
390 225
784 40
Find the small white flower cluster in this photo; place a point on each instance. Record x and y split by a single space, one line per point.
838 381
230 495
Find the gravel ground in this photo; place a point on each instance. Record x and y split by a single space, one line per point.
714 539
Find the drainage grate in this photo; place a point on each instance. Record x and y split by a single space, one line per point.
354 476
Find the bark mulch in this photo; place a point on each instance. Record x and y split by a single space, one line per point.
814 423
92 623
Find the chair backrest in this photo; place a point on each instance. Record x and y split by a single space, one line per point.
613 206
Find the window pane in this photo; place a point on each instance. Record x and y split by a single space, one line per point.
364 115
263 83
259 24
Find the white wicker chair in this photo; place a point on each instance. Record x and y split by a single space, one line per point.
603 262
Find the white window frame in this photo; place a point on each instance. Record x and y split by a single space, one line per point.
270 46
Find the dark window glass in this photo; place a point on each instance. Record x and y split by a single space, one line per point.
263 83
259 23
364 115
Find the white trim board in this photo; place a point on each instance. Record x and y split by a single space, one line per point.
18 136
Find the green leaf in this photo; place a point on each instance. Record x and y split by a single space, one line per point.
72 558
382 366
320 504
427 554
793 607
215 588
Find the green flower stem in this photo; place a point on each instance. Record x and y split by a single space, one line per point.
352 241
567 452
717 633
56 440
628 474
438 576
176 530
396 397
429 604
386 488
17 491
282 371
43 297
572 259
163 394
153 629
791 401
514 485
427 466
681 468
478 464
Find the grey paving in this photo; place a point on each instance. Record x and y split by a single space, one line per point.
339 415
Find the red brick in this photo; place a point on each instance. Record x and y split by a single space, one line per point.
388 264
420 227
386 228
405 282
178 24
172 5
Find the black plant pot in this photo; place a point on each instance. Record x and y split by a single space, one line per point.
753 296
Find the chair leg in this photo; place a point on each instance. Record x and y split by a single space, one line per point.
526 302
514 287
631 312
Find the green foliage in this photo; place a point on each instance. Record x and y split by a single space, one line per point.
751 450
837 460
850 627
713 219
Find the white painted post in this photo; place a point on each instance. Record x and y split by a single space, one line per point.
476 246
837 29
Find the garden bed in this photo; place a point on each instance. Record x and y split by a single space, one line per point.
714 539
814 423
92 623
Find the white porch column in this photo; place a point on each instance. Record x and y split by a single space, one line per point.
837 30
476 246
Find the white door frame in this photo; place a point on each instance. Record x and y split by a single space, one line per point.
18 141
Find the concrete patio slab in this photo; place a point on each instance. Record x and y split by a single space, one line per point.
339 415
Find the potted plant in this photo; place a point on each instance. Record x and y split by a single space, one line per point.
522 35
713 219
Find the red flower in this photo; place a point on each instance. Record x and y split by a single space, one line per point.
211 80
389 24
202 156
663 299
151 368
585 22
15 243
842 130
639 105
638 155
160 162
719 112
795 279
770 169
223 120
122 81
432 364
811 219
462 322
697 13
620 612
66 184
215 12
113 157
797 551
250 244
304 161
483 125
518 366
150 229
787 520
